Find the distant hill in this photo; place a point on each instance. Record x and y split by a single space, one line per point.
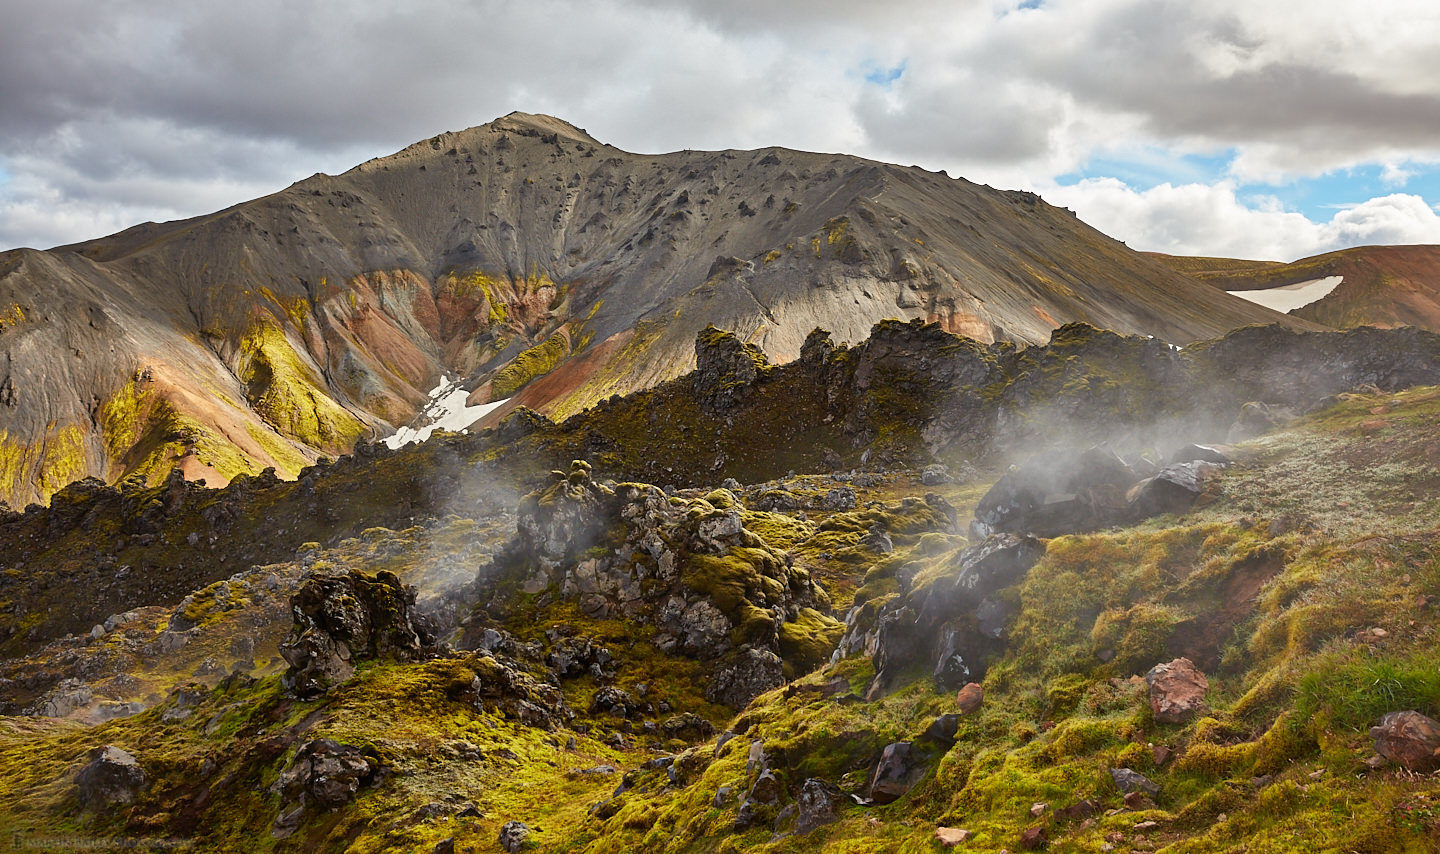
532 262
1383 285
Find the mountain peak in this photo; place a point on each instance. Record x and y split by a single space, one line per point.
538 122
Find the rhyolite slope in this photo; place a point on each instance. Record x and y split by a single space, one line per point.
536 264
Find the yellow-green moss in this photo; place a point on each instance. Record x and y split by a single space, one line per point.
530 364
288 393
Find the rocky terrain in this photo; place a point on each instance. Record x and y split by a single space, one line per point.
1384 286
536 265
916 593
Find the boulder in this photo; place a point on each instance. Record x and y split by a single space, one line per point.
326 774
610 700
514 835
341 619
745 677
1177 691
1409 739
949 837
1056 493
942 730
935 475
899 769
1173 490
818 804
687 726
1221 454
766 789
969 698
112 776
1129 781
951 670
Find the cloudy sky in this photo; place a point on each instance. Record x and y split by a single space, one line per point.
1219 127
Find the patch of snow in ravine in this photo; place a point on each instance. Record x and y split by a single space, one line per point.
445 411
1287 298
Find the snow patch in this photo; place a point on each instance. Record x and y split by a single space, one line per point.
1287 298
445 411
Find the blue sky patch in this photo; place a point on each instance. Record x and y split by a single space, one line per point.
883 77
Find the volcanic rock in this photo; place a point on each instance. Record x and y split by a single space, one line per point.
326 773
1409 739
1177 691
112 776
818 803
899 769
342 619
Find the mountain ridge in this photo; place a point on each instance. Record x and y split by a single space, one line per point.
533 262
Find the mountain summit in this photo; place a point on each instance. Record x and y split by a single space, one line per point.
535 264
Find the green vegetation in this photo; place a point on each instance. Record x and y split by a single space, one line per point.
530 364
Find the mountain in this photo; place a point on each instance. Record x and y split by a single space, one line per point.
530 262
1380 285
884 597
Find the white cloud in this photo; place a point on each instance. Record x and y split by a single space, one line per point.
1200 219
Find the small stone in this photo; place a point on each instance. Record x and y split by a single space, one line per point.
1137 801
1033 839
1376 762
1083 808
444 846
766 789
949 837
1038 809
970 697
513 836
1127 781
1145 825
1317 775
1378 632
1161 753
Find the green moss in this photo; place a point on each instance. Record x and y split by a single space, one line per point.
288 393
530 364
807 641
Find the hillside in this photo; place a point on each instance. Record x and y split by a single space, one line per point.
895 596
1383 286
534 264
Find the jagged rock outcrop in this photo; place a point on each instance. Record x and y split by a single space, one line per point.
725 368
688 566
343 619
939 622
495 683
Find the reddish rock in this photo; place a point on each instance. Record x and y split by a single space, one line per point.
970 697
1409 739
1177 691
1033 839
1161 753
949 837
